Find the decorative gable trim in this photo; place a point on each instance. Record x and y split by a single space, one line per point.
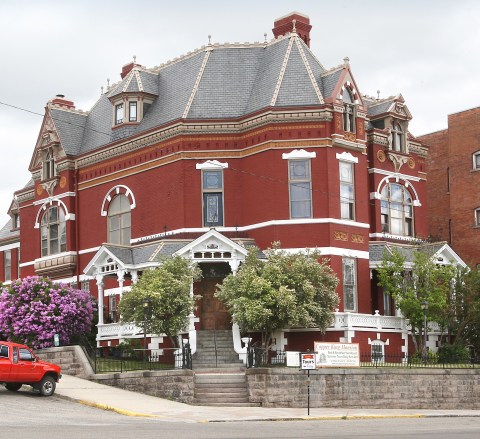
282 73
309 71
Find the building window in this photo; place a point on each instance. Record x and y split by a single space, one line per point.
119 114
477 217
398 138
347 191
212 192
348 111
378 351
349 268
53 230
396 210
119 221
476 160
49 165
8 264
132 111
112 308
300 185
86 285
15 221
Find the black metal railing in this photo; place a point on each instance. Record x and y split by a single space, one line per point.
260 357
112 359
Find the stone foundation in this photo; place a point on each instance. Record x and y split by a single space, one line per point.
176 385
367 388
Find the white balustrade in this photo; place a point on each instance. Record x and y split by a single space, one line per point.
345 320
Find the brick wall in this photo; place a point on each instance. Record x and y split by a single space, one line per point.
372 388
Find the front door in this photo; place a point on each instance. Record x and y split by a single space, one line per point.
212 313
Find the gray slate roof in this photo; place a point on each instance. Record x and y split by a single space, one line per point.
6 232
235 81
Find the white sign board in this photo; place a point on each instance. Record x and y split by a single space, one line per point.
293 358
308 362
337 354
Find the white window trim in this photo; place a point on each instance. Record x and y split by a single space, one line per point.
474 162
211 165
299 154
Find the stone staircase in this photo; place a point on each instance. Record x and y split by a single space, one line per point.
222 389
219 375
224 356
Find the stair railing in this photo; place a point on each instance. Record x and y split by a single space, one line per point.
215 341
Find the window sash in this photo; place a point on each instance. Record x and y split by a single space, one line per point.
213 209
300 188
8 264
347 191
349 269
119 114
53 232
132 111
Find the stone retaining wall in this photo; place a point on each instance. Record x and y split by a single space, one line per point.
71 359
177 385
367 388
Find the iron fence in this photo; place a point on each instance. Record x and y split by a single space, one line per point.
114 359
260 357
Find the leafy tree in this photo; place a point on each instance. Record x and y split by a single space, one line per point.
34 309
285 290
167 288
410 286
461 316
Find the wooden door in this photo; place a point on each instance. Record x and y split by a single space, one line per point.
213 315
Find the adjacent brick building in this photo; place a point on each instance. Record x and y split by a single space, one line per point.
229 146
453 193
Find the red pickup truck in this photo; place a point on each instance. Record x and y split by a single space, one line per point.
19 365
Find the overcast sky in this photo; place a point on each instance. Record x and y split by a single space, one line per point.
427 50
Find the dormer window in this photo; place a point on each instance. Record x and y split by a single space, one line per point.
348 111
49 165
132 111
119 114
398 138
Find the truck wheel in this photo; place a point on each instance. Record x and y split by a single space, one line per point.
13 387
47 386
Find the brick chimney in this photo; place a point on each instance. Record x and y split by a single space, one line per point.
127 68
60 100
284 25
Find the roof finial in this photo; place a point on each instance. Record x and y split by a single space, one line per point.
108 83
294 22
209 40
101 90
265 35
378 95
346 60
134 59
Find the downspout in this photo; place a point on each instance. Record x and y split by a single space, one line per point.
77 232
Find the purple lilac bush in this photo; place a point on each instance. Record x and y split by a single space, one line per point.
34 309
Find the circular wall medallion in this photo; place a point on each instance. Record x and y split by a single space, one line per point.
39 189
411 163
381 155
63 182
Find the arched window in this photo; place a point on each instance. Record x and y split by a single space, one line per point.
396 210
348 111
49 165
398 138
119 225
53 230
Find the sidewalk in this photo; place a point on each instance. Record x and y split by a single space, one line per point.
137 404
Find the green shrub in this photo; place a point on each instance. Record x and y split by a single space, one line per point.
449 354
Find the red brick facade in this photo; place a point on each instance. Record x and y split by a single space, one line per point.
453 180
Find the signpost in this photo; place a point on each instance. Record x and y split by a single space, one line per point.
308 364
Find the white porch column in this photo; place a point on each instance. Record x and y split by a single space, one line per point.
100 284
192 333
134 274
120 279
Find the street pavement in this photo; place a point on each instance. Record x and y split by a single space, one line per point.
137 404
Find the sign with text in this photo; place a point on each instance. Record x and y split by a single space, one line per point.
308 362
337 354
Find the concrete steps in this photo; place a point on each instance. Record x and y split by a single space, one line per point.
222 388
215 349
